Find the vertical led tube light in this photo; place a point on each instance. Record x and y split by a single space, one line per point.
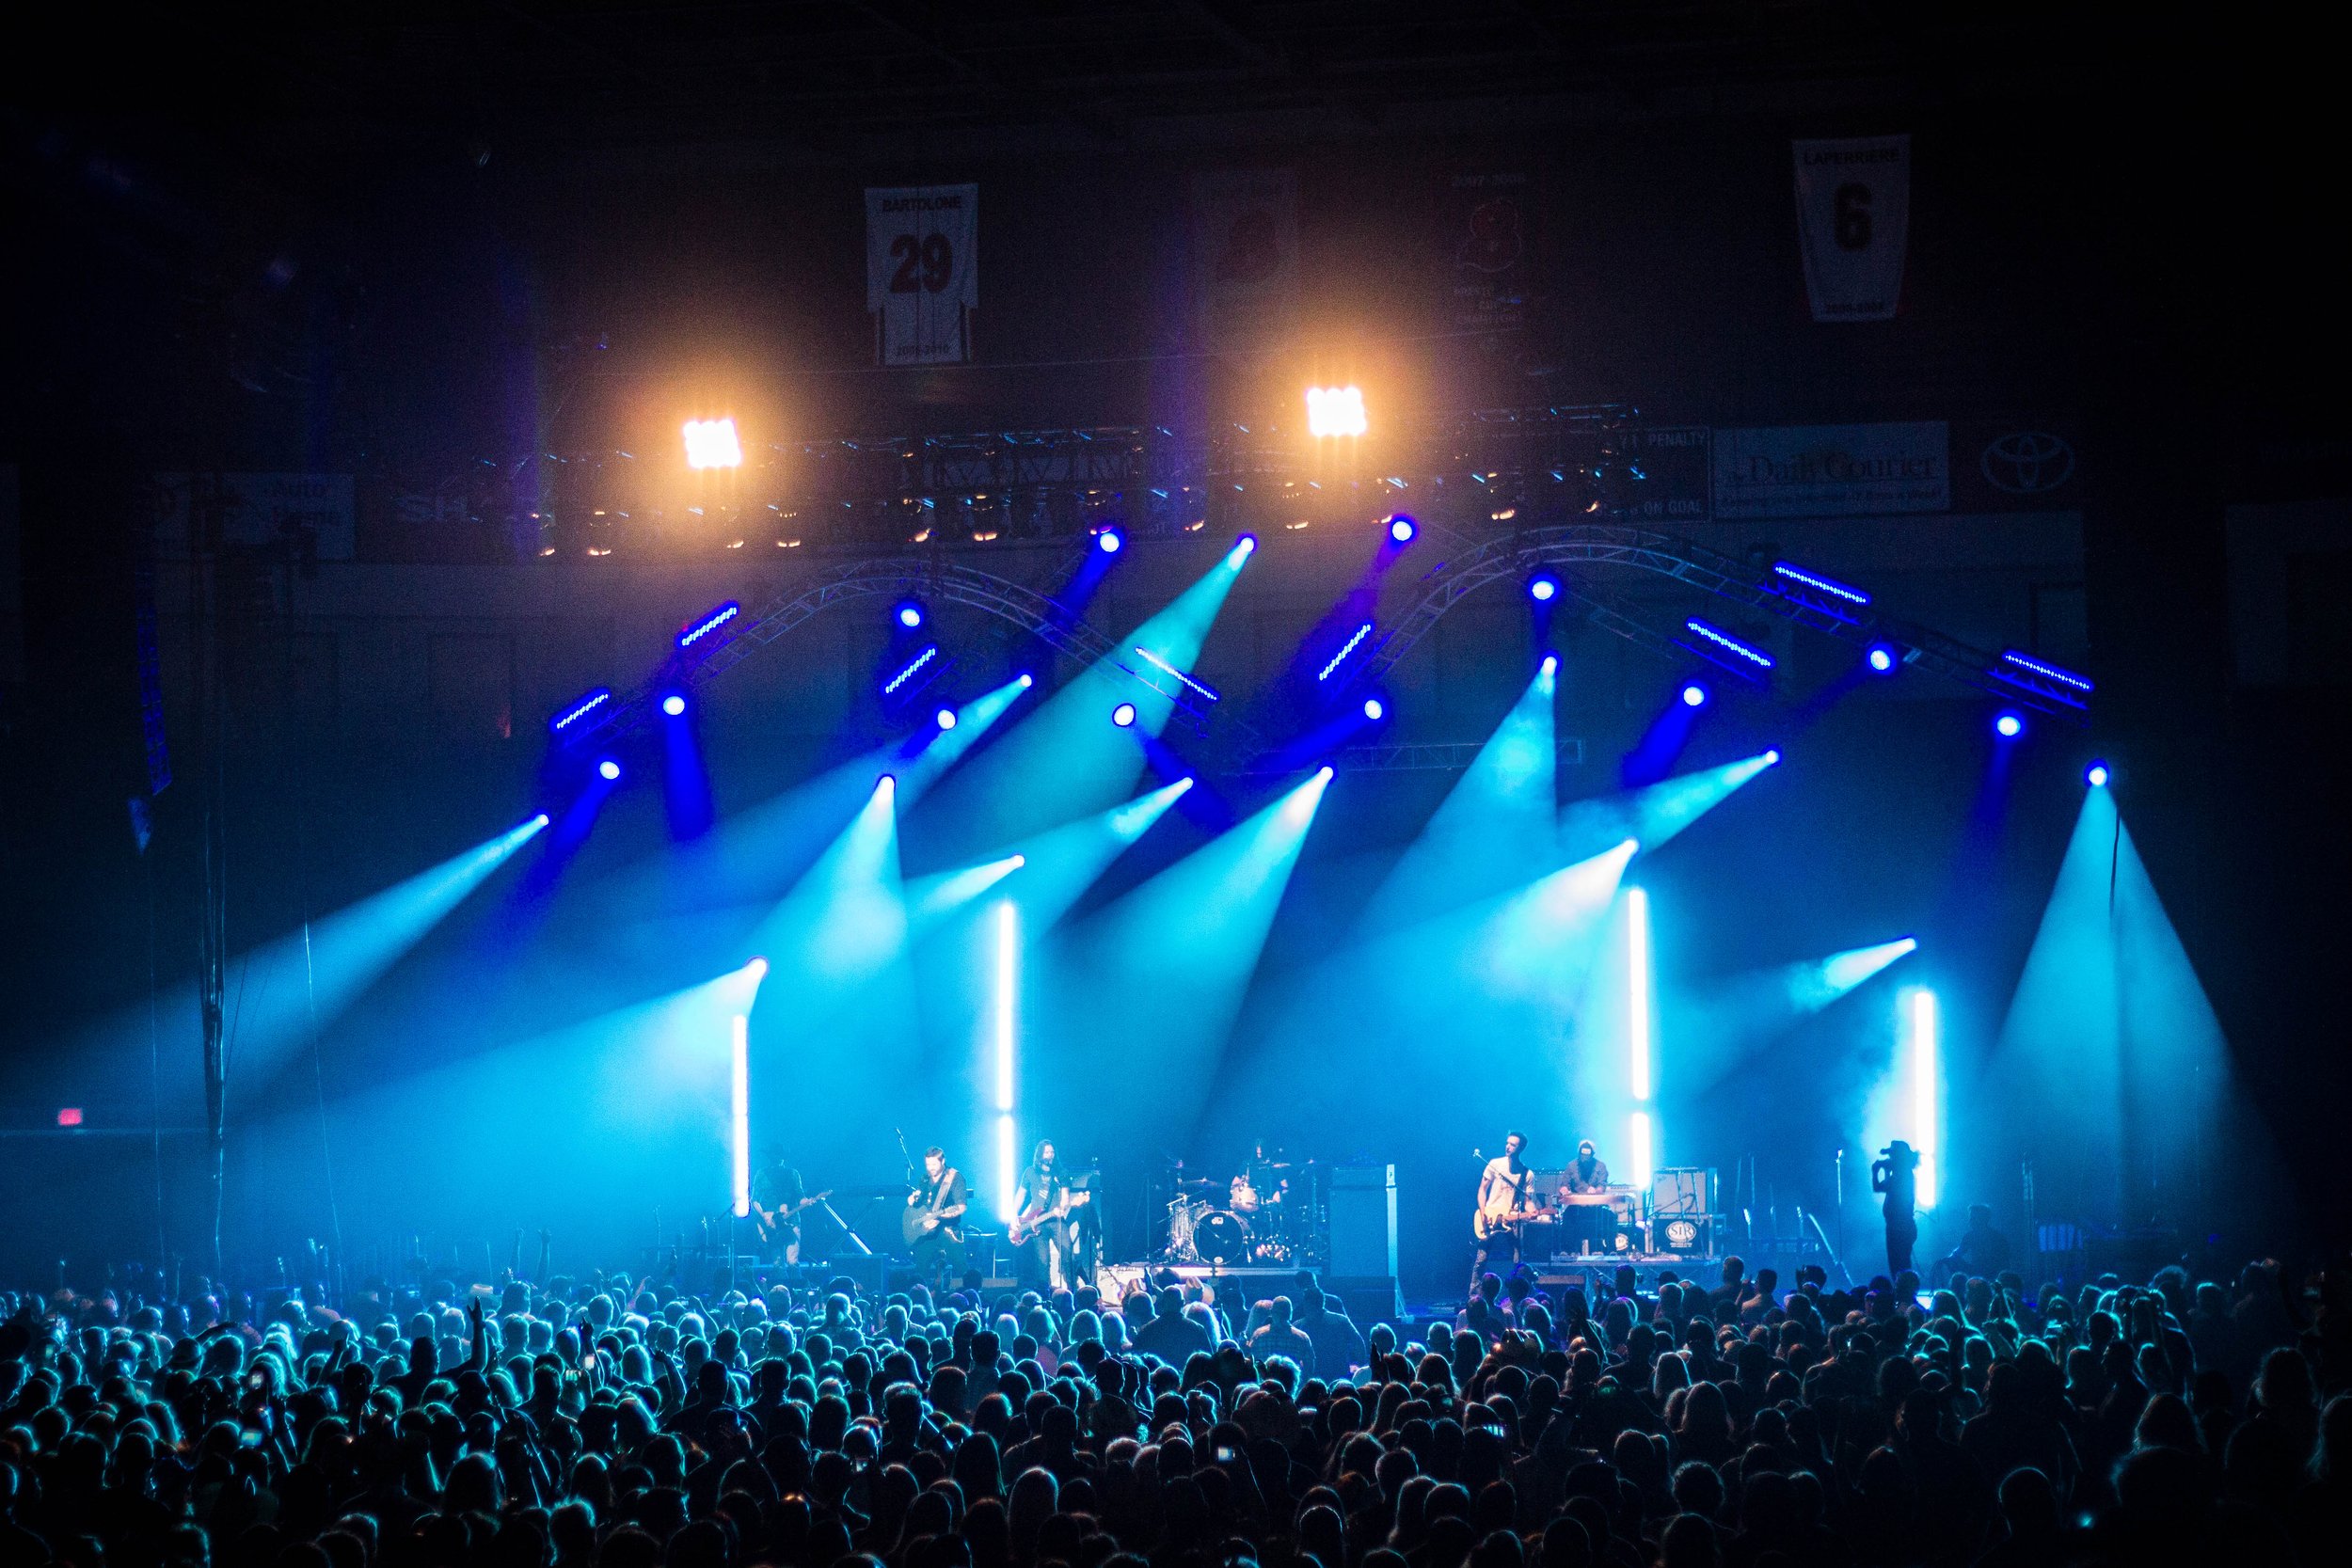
1637 994
1640 1130
1925 1109
1008 979
740 1114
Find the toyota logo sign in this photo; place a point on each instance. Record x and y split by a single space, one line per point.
2026 462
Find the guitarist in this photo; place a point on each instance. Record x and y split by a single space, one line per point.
1039 1231
1505 1197
934 1222
778 1198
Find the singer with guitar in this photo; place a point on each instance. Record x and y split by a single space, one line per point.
1506 1200
932 1222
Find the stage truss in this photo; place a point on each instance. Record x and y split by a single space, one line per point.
1577 552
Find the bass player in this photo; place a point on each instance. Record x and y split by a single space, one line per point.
1040 1233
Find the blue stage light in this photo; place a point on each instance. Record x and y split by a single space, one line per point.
928 653
2064 677
1158 662
1123 715
581 708
1374 708
910 614
944 718
674 705
1110 541
696 630
1361 632
2096 775
2008 726
1543 587
1723 638
1551 664
1884 658
1402 528
1027 680
1835 590
1693 695
1772 758
1243 548
609 770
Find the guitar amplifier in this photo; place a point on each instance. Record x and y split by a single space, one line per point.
1363 1221
1685 1192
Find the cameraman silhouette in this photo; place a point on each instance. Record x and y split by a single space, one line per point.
1895 1173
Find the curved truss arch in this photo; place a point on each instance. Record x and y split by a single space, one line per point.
1573 548
1569 546
935 579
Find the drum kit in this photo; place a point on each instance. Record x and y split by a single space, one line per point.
1262 1218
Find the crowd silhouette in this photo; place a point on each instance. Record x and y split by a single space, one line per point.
609 1422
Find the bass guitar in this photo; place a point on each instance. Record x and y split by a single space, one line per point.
1026 1225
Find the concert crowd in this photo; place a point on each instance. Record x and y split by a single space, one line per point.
613 1422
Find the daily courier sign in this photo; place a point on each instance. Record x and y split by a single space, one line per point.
1833 471
1853 216
923 272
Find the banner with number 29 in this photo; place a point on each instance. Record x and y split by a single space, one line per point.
922 271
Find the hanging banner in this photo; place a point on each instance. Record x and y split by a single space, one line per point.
1484 248
1245 255
923 272
1853 219
1833 471
312 515
1667 468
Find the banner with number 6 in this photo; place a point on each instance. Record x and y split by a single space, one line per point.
923 272
1853 216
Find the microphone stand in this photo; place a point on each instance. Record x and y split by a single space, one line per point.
1841 1209
1843 1273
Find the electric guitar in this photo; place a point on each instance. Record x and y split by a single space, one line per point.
921 1216
1026 1225
770 1222
1506 1206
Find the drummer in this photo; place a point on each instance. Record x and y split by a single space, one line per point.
1264 1180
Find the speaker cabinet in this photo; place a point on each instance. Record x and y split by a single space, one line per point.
1682 1190
1363 1221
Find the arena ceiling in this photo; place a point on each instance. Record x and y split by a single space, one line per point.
856 79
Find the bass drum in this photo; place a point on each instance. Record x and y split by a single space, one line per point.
1221 1237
